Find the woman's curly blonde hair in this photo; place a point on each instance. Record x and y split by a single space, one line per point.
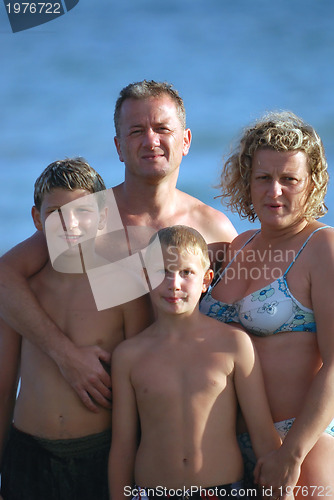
280 131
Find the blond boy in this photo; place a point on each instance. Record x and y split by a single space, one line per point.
57 449
176 389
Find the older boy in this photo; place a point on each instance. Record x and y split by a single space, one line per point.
58 449
176 388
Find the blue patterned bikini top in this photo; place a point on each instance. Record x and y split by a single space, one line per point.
271 310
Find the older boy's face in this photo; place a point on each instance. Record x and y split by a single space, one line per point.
68 219
185 280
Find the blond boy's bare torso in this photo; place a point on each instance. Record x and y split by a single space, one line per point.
187 404
47 406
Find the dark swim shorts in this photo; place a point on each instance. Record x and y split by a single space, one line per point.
65 469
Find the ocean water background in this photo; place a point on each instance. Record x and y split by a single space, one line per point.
230 61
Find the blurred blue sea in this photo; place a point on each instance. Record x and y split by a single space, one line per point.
230 61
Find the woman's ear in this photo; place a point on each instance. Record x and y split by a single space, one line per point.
208 277
36 216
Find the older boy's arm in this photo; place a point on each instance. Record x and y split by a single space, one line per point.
124 427
10 349
19 307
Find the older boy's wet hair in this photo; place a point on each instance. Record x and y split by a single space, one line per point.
278 131
71 173
185 239
145 90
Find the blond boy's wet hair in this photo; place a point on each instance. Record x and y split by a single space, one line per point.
185 239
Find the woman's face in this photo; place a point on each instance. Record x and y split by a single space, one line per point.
280 184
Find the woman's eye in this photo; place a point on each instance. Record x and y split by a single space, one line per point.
290 180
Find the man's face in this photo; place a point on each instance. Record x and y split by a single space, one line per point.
152 140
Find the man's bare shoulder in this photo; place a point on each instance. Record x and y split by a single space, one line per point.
213 224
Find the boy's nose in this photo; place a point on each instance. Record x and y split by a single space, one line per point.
70 219
174 281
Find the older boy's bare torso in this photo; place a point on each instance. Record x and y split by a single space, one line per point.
47 406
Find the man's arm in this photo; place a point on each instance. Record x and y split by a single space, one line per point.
124 424
10 350
19 307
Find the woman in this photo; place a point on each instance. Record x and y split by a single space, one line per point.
279 285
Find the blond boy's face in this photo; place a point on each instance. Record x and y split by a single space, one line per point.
69 219
184 281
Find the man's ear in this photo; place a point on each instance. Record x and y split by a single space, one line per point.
208 277
118 147
36 216
186 141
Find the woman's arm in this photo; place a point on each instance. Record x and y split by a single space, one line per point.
19 307
318 409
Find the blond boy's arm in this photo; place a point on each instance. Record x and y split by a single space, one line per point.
10 351
19 307
124 425
252 397
253 401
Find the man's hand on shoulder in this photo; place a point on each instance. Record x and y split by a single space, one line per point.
83 369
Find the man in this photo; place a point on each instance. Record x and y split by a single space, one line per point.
151 139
